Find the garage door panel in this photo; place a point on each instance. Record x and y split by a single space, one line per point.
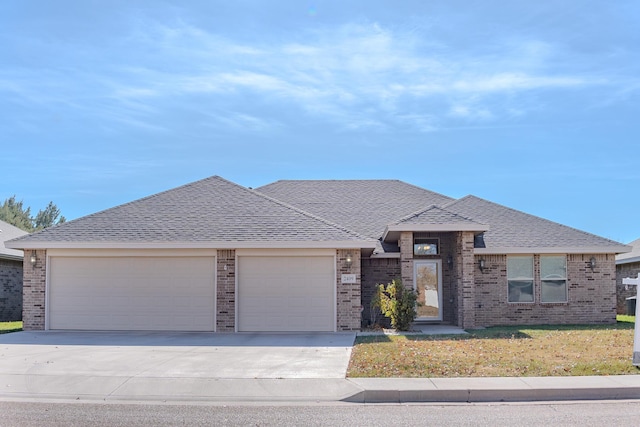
132 293
286 293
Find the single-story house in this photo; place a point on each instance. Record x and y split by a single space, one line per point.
10 275
306 256
627 265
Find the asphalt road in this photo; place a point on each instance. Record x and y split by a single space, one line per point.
601 413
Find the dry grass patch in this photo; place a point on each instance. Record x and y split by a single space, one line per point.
499 352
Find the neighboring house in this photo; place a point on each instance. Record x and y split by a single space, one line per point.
627 265
10 275
306 256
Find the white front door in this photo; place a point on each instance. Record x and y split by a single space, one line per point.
427 279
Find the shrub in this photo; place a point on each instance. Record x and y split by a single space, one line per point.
398 304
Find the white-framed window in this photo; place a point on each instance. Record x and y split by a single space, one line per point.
553 278
520 278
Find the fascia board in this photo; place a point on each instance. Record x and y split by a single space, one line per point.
628 260
346 244
391 230
553 250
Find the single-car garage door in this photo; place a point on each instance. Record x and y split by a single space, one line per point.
132 293
292 293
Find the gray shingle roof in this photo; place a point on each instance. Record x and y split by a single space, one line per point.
210 210
633 256
8 232
437 216
366 206
510 228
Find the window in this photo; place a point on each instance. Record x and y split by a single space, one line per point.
425 246
520 278
553 278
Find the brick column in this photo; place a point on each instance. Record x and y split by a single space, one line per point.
349 298
406 258
226 291
33 291
465 278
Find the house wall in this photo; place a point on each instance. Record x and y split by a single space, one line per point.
348 295
376 271
10 290
623 292
591 294
33 292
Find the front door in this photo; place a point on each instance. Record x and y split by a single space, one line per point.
427 279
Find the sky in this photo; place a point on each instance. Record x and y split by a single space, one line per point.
531 104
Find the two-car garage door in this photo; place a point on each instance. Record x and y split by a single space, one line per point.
178 293
132 293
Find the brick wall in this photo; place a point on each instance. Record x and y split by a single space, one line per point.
33 291
623 292
10 290
374 272
349 301
591 294
226 291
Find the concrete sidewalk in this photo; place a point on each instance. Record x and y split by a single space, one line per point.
356 390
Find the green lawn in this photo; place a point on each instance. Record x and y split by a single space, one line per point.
559 350
6 327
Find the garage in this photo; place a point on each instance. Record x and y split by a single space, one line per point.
150 293
286 293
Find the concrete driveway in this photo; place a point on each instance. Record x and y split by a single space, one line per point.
101 363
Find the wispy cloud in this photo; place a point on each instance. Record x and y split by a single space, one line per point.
355 76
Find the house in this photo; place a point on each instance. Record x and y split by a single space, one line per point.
10 275
627 265
306 256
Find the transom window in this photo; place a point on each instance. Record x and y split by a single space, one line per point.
422 246
520 278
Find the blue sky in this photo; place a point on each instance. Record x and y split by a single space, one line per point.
534 105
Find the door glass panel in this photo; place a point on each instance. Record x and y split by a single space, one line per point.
428 290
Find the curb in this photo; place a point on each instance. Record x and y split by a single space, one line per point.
532 389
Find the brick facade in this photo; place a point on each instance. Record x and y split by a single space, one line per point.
623 292
374 272
349 302
33 291
591 294
10 290
226 291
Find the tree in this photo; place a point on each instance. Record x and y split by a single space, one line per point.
47 218
15 214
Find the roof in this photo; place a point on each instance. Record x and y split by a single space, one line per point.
8 232
633 256
513 231
211 213
433 219
366 206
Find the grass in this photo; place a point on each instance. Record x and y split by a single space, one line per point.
6 327
562 350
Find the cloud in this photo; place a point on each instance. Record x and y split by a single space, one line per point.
356 76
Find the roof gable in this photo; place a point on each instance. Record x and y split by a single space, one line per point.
210 212
432 219
366 206
513 230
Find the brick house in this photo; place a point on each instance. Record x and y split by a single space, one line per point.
627 265
10 275
306 256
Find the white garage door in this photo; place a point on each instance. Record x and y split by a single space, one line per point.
132 293
286 293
